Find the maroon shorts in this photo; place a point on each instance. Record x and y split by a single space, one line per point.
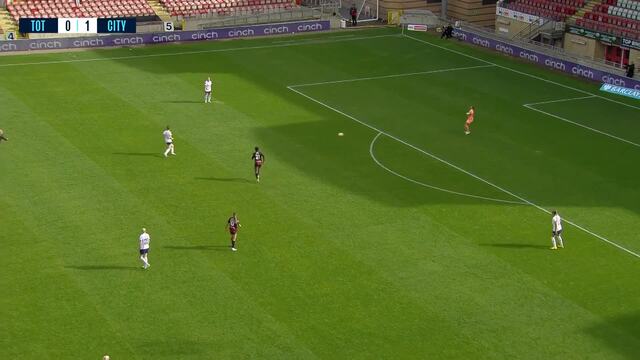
233 230
258 163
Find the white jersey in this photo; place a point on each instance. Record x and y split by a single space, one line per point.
556 222
168 136
144 241
207 85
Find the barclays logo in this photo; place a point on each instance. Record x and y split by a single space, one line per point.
205 35
243 32
529 56
8 46
558 65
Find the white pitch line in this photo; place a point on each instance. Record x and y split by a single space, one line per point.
299 43
528 106
560 100
371 146
392 76
463 171
521 72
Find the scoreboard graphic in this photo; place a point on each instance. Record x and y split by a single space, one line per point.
78 25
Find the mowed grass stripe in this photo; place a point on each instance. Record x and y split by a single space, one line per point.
323 261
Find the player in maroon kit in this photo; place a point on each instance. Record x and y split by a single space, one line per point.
233 224
258 160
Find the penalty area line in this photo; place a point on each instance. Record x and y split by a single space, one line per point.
435 157
371 153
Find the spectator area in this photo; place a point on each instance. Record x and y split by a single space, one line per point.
186 8
558 10
86 8
616 17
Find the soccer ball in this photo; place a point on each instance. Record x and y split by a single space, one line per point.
106 357
340 134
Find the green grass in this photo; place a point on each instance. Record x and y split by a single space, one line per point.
338 258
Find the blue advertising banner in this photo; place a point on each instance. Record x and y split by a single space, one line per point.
541 59
165 37
619 90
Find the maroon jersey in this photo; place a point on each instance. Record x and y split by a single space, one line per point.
233 224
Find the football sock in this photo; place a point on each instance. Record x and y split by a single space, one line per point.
233 243
560 241
553 241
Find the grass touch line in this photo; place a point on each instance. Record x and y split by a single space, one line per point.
433 156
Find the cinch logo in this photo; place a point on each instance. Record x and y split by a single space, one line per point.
245 32
481 42
309 27
8 46
558 65
460 35
129 40
276 30
53 44
166 38
88 43
205 35
612 80
528 56
582 72
504 49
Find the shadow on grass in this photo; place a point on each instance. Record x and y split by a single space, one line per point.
199 247
239 180
518 246
101 267
138 154
621 333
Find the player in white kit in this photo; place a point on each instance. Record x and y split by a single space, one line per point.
168 139
207 90
556 238
145 239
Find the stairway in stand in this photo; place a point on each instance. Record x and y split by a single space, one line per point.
159 10
588 6
6 22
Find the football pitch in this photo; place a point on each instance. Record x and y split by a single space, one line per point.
402 239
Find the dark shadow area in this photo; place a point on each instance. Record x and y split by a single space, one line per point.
621 333
138 154
239 180
101 267
518 246
199 247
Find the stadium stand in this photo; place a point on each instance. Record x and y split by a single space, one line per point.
558 10
86 8
616 17
186 8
